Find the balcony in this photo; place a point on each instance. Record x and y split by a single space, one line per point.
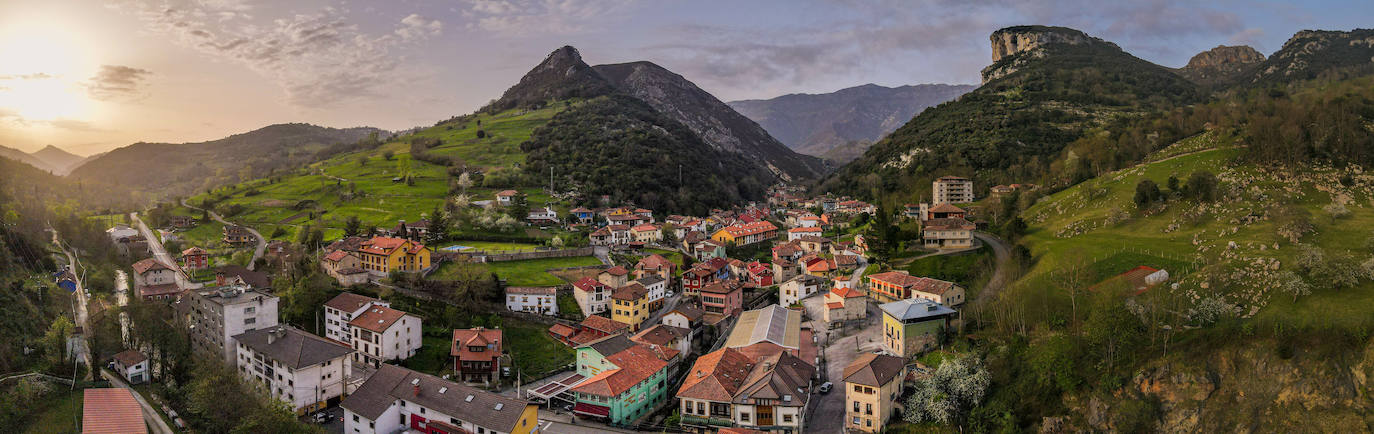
688 419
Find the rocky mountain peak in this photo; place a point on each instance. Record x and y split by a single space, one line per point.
1021 39
1224 56
562 75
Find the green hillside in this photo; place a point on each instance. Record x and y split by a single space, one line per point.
361 183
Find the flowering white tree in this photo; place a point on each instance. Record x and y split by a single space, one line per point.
1291 283
957 386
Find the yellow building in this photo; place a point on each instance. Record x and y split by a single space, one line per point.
387 254
872 384
630 305
914 325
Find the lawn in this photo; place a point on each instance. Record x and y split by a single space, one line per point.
671 256
492 246
60 414
532 272
534 352
567 305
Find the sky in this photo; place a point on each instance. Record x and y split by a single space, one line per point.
89 76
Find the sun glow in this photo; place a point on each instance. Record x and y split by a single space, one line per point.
42 72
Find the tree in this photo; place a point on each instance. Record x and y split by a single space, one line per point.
481 134
1112 331
465 182
245 173
1336 211
438 224
352 226
519 207
362 160
1173 184
1291 283
388 154
1146 194
957 386
1202 186
55 340
1073 278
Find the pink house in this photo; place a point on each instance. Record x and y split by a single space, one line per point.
722 297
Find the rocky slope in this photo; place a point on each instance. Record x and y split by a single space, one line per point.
1018 44
840 125
562 75
1310 53
1220 65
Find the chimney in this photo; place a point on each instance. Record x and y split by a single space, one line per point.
417 390
271 336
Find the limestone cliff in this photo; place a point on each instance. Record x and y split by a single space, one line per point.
1012 46
1221 64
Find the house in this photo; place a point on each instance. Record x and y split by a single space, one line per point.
945 211
770 330
722 297
811 244
952 189
396 399
592 296
132 366
790 250
344 267
382 334
798 232
951 233
214 316
305 371
601 237
236 235
630 305
194 258
410 231
913 325
238 275
844 303
784 269
120 231
646 233
856 207
506 197
914 211
135 245
624 380
819 266
1000 190
666 336
583 215
760 274
155 280
793 291
545 216
628 220
686 317
341 310
383 255
541 300
111 410
703 273
898 285
595 327
745 234
707 250
620 233
614 277
809 221
476 354
872 385
730 390
655 265
658 291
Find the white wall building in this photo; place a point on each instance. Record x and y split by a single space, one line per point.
382 334
215 315
132 365
592 296
532 299
396 399
952 189
657 286
305 371
341 309
799 287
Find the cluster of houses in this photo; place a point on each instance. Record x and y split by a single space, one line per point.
355 260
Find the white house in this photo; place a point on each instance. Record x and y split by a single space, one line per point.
592 296
214 316
506 197
341 309
799 287
396 399
120 231
132 366
303 370
806 231
533 299
382 334
658 289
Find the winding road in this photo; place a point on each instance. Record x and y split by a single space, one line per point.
999 277
262 242
79 307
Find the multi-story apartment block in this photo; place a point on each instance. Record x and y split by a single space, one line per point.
216 315
341 309
305 371
952 189
382 334
396 399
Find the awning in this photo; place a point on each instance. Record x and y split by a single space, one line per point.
591 410
556 387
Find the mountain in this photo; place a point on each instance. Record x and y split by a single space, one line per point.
1311 53
1222 65
563 75
24 157
166 169
1046 88
848 119
60 160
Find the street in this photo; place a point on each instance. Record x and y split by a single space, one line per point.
122 297
262 242
839 348
81 348
160 253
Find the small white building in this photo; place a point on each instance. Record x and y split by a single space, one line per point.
120 231
382 334
805 231
341 309
303 370
542 300
132 366
658 289
592 296
798 287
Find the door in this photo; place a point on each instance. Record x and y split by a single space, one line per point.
765 415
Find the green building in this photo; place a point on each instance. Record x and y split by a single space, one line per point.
624 380
913 325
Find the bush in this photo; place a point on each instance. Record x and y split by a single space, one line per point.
481 134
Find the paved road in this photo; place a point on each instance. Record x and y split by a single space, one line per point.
1000 276
122 297
839 348
150 414
262 242
160 253
79 306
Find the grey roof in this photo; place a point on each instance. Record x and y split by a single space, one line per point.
292 347
777 377
231 295
776 324
915 308
873 369
374 396
651 279
610 344
390 383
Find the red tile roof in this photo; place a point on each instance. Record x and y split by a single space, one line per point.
377 319
636 364
631 292
847 292
336 256
149 264
562 330
748 229
388 245
716 376
617 271
349 302
130 357
504 193
946 208
111 411
603 324
463 339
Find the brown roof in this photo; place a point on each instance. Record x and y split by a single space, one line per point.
478 337
111 411
193 251
692 313
632 291
636 363
897 278
603 324
750 229
946 208
778 377
156 290
349 302
616 271
562 330
391 383
873 369
654 261
337 255
660 334
532 290
149 264
720 287
377 319
716 376
130 357
507 193
255 279
948 224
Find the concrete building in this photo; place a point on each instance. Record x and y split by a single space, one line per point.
592 296
341 309
132 366
216 315
947 233
844 303
872 384
952 189
477 354
396 399
542 300
382 334
799 287
914 325
305 371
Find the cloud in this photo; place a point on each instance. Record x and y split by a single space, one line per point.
514 18
117 82
318 59
34 76
15 118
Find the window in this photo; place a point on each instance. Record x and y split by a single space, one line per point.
355 418
250 320
787 418
744 417
856 406
856 421
868 409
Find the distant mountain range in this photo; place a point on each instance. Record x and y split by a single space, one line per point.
50 159
840 125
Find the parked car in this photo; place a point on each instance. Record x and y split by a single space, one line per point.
825 387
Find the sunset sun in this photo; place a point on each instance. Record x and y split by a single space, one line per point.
44 83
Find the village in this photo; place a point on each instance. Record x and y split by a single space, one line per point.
769 317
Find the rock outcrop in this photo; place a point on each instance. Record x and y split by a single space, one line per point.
1310 53
1221 64
1012 46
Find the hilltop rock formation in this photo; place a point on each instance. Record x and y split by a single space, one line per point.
1222 64
1310 53
1013 46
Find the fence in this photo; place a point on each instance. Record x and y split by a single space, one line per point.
515 255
